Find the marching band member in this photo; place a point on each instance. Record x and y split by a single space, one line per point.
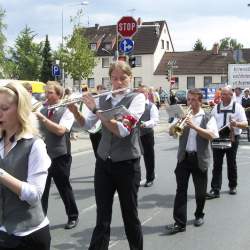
148 120
55 126
118 162
24 167
224 112
193 158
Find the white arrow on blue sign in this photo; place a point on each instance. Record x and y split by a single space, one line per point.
126 45
56 71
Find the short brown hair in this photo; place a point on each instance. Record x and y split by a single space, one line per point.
122 66
56 86
196 92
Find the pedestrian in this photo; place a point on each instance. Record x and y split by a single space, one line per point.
172 101
118 162
228 114
55 126
24 167
193 159
148 121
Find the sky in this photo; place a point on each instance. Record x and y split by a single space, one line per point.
209 21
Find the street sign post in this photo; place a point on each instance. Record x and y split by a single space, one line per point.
127 26
56 71
126 45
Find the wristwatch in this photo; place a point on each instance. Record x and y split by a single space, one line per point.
1 172
94 110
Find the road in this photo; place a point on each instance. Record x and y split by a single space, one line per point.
226 220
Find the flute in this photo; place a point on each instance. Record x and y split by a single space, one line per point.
79 99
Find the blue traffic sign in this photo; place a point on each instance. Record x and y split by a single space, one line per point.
126 45
56 71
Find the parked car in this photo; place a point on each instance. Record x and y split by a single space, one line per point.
181 96
163 96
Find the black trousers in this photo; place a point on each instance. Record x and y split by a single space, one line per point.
148 143
218 155
38 240
60 172
123 177
183 170
95 139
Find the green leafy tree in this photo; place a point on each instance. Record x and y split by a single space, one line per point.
77 59
46 62
198 46
27 55
230 43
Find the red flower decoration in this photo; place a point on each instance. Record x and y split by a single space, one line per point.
129 122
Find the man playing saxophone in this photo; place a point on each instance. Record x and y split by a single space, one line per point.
193 159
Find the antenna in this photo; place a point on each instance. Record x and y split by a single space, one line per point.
131 11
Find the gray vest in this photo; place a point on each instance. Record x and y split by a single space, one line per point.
17 215
118 149
146 117
203 148
56 145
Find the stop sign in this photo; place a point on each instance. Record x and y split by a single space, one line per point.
127 26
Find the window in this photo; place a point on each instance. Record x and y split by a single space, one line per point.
93 46
91 82
207 81
167 43
105 62
107 46
224 79
162 44
106 83
190 82
137 81
138 61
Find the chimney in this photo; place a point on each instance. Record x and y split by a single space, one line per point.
97 26
215 50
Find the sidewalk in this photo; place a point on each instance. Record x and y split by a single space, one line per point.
82 143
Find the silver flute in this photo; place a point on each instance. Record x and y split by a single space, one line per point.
66 102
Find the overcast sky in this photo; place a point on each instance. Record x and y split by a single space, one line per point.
209 20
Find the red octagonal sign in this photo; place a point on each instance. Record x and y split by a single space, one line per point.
127 26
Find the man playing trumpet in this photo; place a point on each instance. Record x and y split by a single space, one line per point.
193 158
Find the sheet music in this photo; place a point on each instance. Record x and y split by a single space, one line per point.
175 111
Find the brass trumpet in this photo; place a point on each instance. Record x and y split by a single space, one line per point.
179 126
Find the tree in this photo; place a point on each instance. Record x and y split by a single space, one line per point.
27 55
230 43
198 46
77 58
2 37
46 62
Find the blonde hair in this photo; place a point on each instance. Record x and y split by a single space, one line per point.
123 66
56 86
20 96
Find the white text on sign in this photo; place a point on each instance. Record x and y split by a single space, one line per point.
126 26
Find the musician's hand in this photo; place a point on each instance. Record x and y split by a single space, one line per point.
233 123
89 101
72 108
190 123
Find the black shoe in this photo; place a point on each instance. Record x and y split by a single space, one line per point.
233 191
198 222
174 229
71 223
149 184
213 194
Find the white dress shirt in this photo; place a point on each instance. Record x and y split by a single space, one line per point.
239 115
154 116
32 189
196 119
136 108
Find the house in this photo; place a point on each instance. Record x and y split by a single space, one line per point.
152 41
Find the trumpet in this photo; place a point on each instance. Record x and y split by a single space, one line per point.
179 126
77 99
